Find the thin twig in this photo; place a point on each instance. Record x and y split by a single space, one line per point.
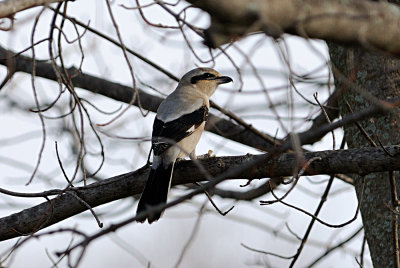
323 222
195 229
324 197
360 127
364 242
29 195
383 147
339 245
266 252
292 232
33 76
9 76
295 179
327 119
310 226
213 203
115 42
88 206
61 166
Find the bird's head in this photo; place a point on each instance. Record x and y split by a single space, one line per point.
204 79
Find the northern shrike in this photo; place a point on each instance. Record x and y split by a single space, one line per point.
177 128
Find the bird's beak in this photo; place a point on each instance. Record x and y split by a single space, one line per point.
223 80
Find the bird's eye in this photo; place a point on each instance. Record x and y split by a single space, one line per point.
208 75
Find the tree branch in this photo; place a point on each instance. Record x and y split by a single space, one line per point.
346 22
215 124
10 7
358 161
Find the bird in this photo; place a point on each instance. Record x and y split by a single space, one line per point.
177 129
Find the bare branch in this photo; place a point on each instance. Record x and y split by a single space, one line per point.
10 7
324 197
360 161
215 124
333 248
346 22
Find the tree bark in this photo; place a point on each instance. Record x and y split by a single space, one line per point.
378 76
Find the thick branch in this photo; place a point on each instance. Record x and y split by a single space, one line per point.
10 7
215 124
359 161
347 22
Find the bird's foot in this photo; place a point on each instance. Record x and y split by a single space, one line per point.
209 154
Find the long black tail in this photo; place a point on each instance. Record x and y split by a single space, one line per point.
155 191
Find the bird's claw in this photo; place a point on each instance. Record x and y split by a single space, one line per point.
209 154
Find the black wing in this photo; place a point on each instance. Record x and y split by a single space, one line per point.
166 134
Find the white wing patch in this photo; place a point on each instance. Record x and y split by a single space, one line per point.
190 130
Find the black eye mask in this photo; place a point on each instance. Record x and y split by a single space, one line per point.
205 76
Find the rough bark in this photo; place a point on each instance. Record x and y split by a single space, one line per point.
358 161
378 76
